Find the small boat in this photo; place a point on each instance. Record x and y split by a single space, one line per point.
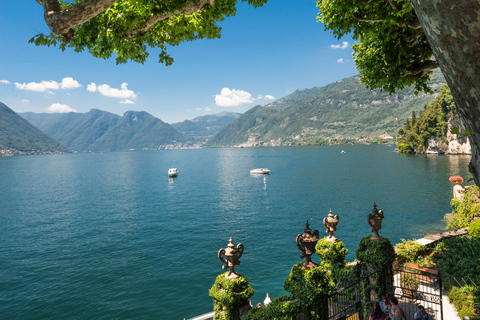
342 151
260 171
172 172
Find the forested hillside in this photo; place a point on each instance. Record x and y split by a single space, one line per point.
344 110
430 123
18 136
99 130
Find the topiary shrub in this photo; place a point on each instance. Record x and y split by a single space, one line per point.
282 307
229 296
474 229
331 253
311 287
375 252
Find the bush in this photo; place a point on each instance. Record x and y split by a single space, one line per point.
474 229
404 148
465 210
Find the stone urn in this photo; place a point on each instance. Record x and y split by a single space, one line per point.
375 221
330 222
306 243
232 256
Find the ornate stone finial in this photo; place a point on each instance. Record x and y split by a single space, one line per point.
375 221
306 243
330 222
232 256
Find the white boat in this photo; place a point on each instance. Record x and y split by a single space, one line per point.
260 171
172 172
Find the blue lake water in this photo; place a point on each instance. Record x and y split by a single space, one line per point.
110 236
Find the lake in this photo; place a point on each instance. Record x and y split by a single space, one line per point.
110 236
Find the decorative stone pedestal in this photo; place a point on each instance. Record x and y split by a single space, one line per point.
230 297
311 287
376 254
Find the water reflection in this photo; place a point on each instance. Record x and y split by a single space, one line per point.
261 176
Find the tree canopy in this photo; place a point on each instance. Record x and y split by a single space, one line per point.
127 28
391 51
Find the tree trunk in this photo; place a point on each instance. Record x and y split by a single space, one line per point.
453 31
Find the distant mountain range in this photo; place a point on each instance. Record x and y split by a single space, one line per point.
201 128
101 131
343 110
18 136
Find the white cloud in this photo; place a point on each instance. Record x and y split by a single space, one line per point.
5 81
208 109
269 97
60 108
67 83
127 101
232 98
38 86
340 60
108 91
92 87
259 97
344 45
25 100
198 109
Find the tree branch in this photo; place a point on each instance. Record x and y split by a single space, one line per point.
412 25
421 70
61 21
410 39
189 8
394 7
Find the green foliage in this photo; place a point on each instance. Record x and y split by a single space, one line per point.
118 30
474 229
457 260
331 253
341 112
311 287
404 148
229 295
388 46
282 307
432 122
465 210
375 252
411 251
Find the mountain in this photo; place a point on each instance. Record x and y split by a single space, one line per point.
201 128
18 136
99 130
343 110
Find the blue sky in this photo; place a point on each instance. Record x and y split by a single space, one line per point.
263 55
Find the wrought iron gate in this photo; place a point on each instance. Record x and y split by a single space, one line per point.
420 287
347 302
411 288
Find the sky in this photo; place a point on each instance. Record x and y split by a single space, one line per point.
263 55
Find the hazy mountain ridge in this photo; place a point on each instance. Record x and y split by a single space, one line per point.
18 136
344 109
203 127
99 130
